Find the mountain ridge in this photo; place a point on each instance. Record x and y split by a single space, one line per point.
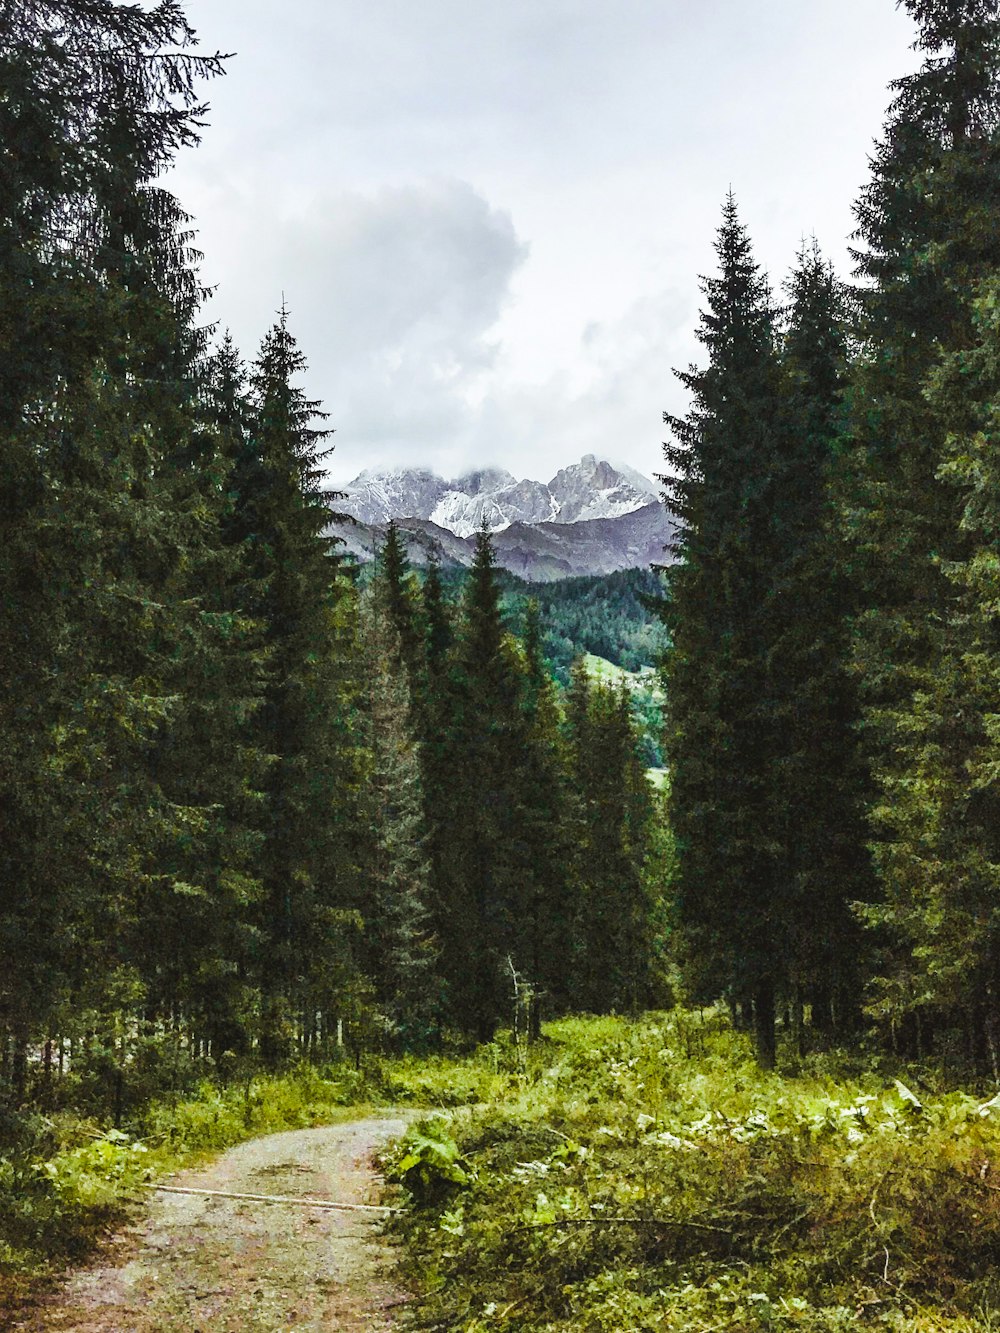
594 488
537 552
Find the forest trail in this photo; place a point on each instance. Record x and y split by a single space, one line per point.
214 1265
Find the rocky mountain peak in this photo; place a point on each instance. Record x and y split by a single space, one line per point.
592 488
595 488
483 480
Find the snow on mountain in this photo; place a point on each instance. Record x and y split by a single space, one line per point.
375 497
516 501
592 488
538 552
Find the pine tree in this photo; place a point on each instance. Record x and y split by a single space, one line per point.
611 940
480 889
194 934
956 931
438 630
543 946
98 294
929 239
399 951
719 734
400 597
818 785
433 701
293 590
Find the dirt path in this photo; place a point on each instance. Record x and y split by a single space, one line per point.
209 1265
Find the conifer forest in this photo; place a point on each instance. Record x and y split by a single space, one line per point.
264 811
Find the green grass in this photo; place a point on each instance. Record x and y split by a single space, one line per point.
608 673
648 1176
599 668
617 1177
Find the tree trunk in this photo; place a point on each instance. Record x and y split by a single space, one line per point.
763 1023
821 1017
535 1019
797 1015
19 1065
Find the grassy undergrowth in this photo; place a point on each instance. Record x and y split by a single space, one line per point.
66 1180
621 1176
641 1176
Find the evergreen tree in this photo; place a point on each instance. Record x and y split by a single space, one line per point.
98 293
481 890
195 934
399 596
433 707
928 227
720 739
955 931
293 590
544 944
611 927
819 783
438 629
398 950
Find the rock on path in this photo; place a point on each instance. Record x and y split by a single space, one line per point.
210 1265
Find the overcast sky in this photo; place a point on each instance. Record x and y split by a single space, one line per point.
488 217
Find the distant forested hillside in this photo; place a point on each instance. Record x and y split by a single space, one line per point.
603 614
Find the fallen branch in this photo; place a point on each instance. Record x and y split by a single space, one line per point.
624 1221
273 1198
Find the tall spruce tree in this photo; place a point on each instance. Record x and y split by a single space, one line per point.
399 595
293 591
610 955
481 889
195 934
98 292
819 782
433 704
720 739
543 946
399 951
929 239
438 632
956 932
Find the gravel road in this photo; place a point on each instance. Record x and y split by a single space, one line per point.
210 1265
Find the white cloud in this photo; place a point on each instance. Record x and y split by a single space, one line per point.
610 403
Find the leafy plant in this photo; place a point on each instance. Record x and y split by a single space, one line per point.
647 1175
95 1174
427 1163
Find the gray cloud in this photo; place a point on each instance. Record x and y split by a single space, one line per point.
415 269
388 165
392 295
